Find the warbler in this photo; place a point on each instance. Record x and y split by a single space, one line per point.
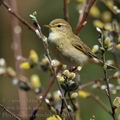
68 47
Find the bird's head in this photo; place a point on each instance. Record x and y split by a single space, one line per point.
59 26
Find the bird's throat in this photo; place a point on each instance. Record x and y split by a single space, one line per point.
53 36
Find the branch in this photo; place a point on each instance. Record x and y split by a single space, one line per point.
100 103
16 36
65 10
106 79
10 113
12 12
84 15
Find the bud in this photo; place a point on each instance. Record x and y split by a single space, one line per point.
55 63
54 117
79 68
35 81
109 62
74 95
83 94
98 23
95 48
116 74
60 78
2 62
108 26
11 72
45 61
57 95
25 65
66 73
2 70
108 42
33 56
95 12
116 102
106 16
118 46
72 75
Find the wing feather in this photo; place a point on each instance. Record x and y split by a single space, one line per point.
78 44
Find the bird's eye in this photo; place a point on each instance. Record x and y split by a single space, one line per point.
59 25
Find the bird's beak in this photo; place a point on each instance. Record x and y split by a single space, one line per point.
48 26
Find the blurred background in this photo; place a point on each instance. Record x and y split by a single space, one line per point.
47 10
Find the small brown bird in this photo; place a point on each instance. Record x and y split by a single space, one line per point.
68 47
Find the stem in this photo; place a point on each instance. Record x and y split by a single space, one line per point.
17 16
9 112
17 53
100 103
84 15
72 103
62 104
65 10
108 88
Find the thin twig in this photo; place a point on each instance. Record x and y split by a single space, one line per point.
90 83
17 16
108 88
100 103
106 78
84 15
65 10
10 113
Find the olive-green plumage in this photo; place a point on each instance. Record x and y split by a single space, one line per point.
68 47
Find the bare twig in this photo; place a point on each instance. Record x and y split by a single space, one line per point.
9 112
17 53
83 15
65 10
93 82
11 11
106 78
100 103
108 88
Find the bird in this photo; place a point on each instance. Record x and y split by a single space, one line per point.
67 47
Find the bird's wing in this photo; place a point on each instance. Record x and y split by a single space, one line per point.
78 44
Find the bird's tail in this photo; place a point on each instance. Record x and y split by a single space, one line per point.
100 62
